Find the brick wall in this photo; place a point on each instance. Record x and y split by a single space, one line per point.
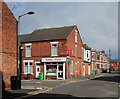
43 49
9 45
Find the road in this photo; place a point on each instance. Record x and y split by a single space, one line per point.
104 86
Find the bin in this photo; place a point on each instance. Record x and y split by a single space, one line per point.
93 72
96 72
41 76
15 82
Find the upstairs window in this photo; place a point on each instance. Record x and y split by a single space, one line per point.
97 57
76 36
28 50
87 54
82 53
54 48
76 51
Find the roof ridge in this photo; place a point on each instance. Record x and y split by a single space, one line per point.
54 27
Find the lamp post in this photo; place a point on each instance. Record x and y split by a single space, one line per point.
28 13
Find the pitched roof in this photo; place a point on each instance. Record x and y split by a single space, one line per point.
58 33
23 36
86 47
114 60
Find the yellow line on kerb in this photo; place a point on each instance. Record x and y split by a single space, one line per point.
35 93
119 86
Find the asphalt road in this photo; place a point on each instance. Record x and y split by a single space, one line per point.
102 87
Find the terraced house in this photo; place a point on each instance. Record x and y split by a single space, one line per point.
55 52
87 68
99 61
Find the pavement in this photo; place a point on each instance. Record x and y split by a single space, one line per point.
35 86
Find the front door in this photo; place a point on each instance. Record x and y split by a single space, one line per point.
88 69
37 70
60 71
83 69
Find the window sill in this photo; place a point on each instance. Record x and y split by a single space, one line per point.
28 56
54 55
28 74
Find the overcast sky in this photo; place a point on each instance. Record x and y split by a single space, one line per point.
97 22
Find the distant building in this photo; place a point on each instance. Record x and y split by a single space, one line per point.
87 69
8 45
114 64
55 52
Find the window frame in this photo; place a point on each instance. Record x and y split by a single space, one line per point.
53 47
76 33
75 51
71 67
26 45
28 67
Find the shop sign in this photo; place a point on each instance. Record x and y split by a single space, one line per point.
69 52
53 59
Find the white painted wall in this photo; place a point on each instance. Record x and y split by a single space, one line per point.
89 55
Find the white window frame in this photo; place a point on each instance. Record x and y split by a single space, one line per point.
76 33
71 67
76 51
28 44
51 48
28 68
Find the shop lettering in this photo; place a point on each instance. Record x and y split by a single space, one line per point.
49 59
53 59
57 59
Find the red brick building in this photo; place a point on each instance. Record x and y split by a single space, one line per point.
55 52
8 52
100 61
114 64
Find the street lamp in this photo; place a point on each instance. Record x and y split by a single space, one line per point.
28 13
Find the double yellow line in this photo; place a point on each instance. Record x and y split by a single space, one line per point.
87 79
49 89
36 92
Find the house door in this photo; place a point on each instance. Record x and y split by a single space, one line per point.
88 69
37 70
83 69
60 71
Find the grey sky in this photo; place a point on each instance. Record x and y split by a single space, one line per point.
97 22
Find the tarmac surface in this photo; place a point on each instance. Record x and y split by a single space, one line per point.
104 85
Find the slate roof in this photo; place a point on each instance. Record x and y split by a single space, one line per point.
114 60
86 47
59 33
23 36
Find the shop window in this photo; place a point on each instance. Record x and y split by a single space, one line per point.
51 70
54 49
28 50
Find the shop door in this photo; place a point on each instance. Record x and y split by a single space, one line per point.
83 69
88 69
60 72
37 70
